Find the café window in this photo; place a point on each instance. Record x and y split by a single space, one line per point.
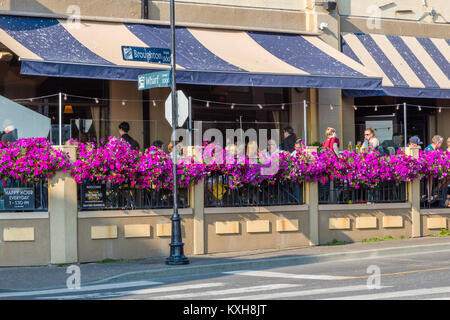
388 121
83 118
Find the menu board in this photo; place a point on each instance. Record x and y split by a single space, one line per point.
19 198
93 196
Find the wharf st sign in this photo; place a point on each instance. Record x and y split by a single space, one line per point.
154 80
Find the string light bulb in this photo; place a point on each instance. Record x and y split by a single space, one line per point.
232 106
65 97
355 107
124 102
331 107
154 103
260 106
207 104
440 110
376 108
96 100
420 108
398 107
282 106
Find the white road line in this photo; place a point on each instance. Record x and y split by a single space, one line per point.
228 291
396 294
176 288
138 292
82 289
283 275
97 295
301 293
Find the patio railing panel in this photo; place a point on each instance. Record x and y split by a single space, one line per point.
434 193
335 192
124 197
30 196
219 193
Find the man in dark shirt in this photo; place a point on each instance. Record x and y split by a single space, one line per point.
124 127
289 139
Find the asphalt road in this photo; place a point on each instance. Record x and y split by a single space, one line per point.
422 276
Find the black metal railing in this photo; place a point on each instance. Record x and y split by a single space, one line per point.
335 192
124 197
218 193
434 193
17 196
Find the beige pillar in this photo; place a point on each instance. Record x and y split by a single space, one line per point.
313 116
126 106
414 198
312 200
197 204
349 127
197 194
62 208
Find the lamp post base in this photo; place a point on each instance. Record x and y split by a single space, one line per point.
174 261
176 255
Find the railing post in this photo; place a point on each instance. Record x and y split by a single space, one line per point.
197 204
312 200
414 198
63 213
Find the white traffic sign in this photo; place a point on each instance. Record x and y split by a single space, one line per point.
183 108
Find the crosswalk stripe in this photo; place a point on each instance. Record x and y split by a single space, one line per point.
228 291
396 294
82 289
176 288
139 292
301 293
282 275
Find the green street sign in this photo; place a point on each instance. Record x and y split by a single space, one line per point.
154 80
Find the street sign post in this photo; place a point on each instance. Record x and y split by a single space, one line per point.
161 79
183 108
177 256
154 80
143 54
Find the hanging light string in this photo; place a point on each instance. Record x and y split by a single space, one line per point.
36 98
113 100
209 102
233 105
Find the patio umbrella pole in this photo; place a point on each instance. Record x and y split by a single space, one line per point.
305 124
60 119
404 124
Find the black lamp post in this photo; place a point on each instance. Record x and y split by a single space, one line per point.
176 246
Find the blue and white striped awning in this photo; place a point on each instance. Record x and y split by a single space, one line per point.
409 66
52 47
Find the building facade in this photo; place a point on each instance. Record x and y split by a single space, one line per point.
119 100
266 57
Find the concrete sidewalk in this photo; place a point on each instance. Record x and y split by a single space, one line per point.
52 276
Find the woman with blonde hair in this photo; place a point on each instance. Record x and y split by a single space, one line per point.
252 151
331 142
371 142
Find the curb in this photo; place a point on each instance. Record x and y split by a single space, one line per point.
265 263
